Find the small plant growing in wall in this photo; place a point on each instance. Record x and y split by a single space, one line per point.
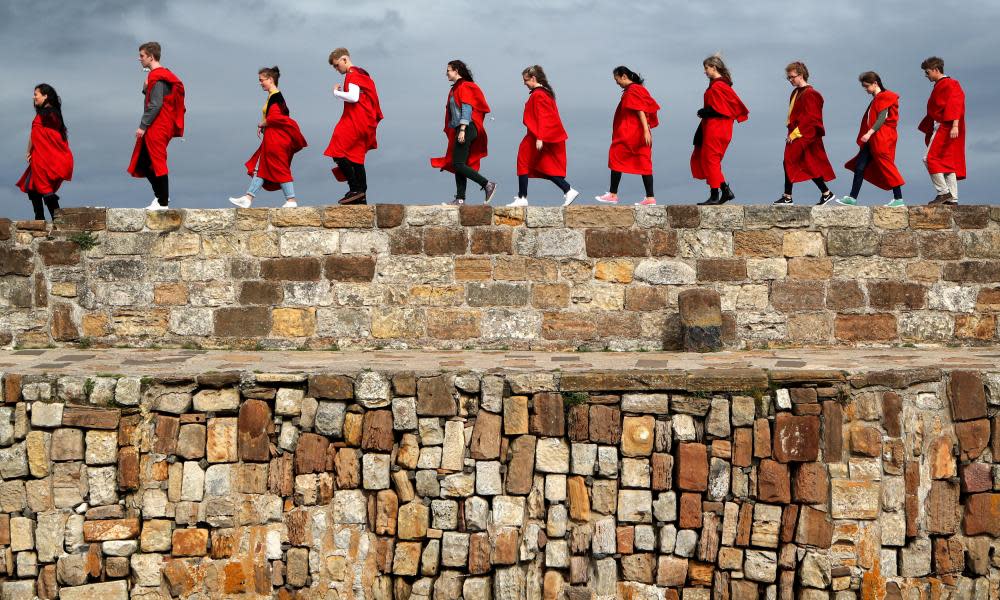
88 387
574 398
85 240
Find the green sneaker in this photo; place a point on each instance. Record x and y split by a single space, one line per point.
896 203
847 201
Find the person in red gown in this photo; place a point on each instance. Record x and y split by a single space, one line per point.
464 113
631 148
876 160
944 132
162 120
50 161
721 107
805 156
542 152
270 167
354 134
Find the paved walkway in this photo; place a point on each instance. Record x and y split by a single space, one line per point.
140 363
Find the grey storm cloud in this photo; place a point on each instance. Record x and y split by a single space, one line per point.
87 51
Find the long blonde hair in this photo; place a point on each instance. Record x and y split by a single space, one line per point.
716 61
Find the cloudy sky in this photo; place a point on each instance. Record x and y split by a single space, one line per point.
87 51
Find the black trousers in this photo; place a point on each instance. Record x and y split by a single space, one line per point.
788 182
616 179
160 184
357 179
522 184
463 172
39 203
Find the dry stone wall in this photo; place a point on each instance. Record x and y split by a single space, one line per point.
720 483
542 278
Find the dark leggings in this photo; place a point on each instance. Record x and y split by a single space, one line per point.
647 182
865 157
39 202
463 172
161 188
357 179
522 184
817 180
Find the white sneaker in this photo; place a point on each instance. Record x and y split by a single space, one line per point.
519 201
290 204
155 205
243 201
570 196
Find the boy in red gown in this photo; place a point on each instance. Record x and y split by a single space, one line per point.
50 161
542 152
465 112
805 156
270 167
721 107
944 132
162 120
631 148
354 134
876 160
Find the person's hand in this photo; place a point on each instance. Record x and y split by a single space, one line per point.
336 88
461 137
647 137
789 140
27 156
866 137
954 132
538 145
139 133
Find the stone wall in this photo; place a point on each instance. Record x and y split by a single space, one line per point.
543 278
652 484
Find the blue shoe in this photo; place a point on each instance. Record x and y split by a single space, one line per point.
847 201
896 203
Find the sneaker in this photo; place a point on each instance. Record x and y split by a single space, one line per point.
156 206
847 201
490 188
455 202
519 201
570 196
290 204
608 197
353 198
243 201
783 199
896 203
647 202
825 199
943 199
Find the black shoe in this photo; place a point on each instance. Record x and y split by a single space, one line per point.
825 199
943 199
783 199
727 194
353 198
490 188
713 199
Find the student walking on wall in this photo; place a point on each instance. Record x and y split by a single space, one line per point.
805 156
876 159
721 107
50 161
631 148
944 132
354 134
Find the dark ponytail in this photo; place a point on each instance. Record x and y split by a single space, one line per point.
538 73
52 103
871 77
461 68
622 71
272 73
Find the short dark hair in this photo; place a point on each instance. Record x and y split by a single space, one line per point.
933 63
151 49
799 67
272 73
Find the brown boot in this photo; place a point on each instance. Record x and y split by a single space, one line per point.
942 199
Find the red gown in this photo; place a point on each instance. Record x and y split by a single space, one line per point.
465 92
282 139
168 124
881 170
541 117
354 134
715 133
629 152
51 159
946 105
805 157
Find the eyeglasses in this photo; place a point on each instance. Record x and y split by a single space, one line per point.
791 77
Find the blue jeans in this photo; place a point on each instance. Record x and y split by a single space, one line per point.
257 183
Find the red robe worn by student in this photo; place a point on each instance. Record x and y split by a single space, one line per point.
805 157
51 159
354 134
629 152
541 117
282 139
168 124
465 92
881 170
945 106
715 132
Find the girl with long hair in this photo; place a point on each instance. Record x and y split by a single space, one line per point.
50 161
721 107
877 137
631 135
542 152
